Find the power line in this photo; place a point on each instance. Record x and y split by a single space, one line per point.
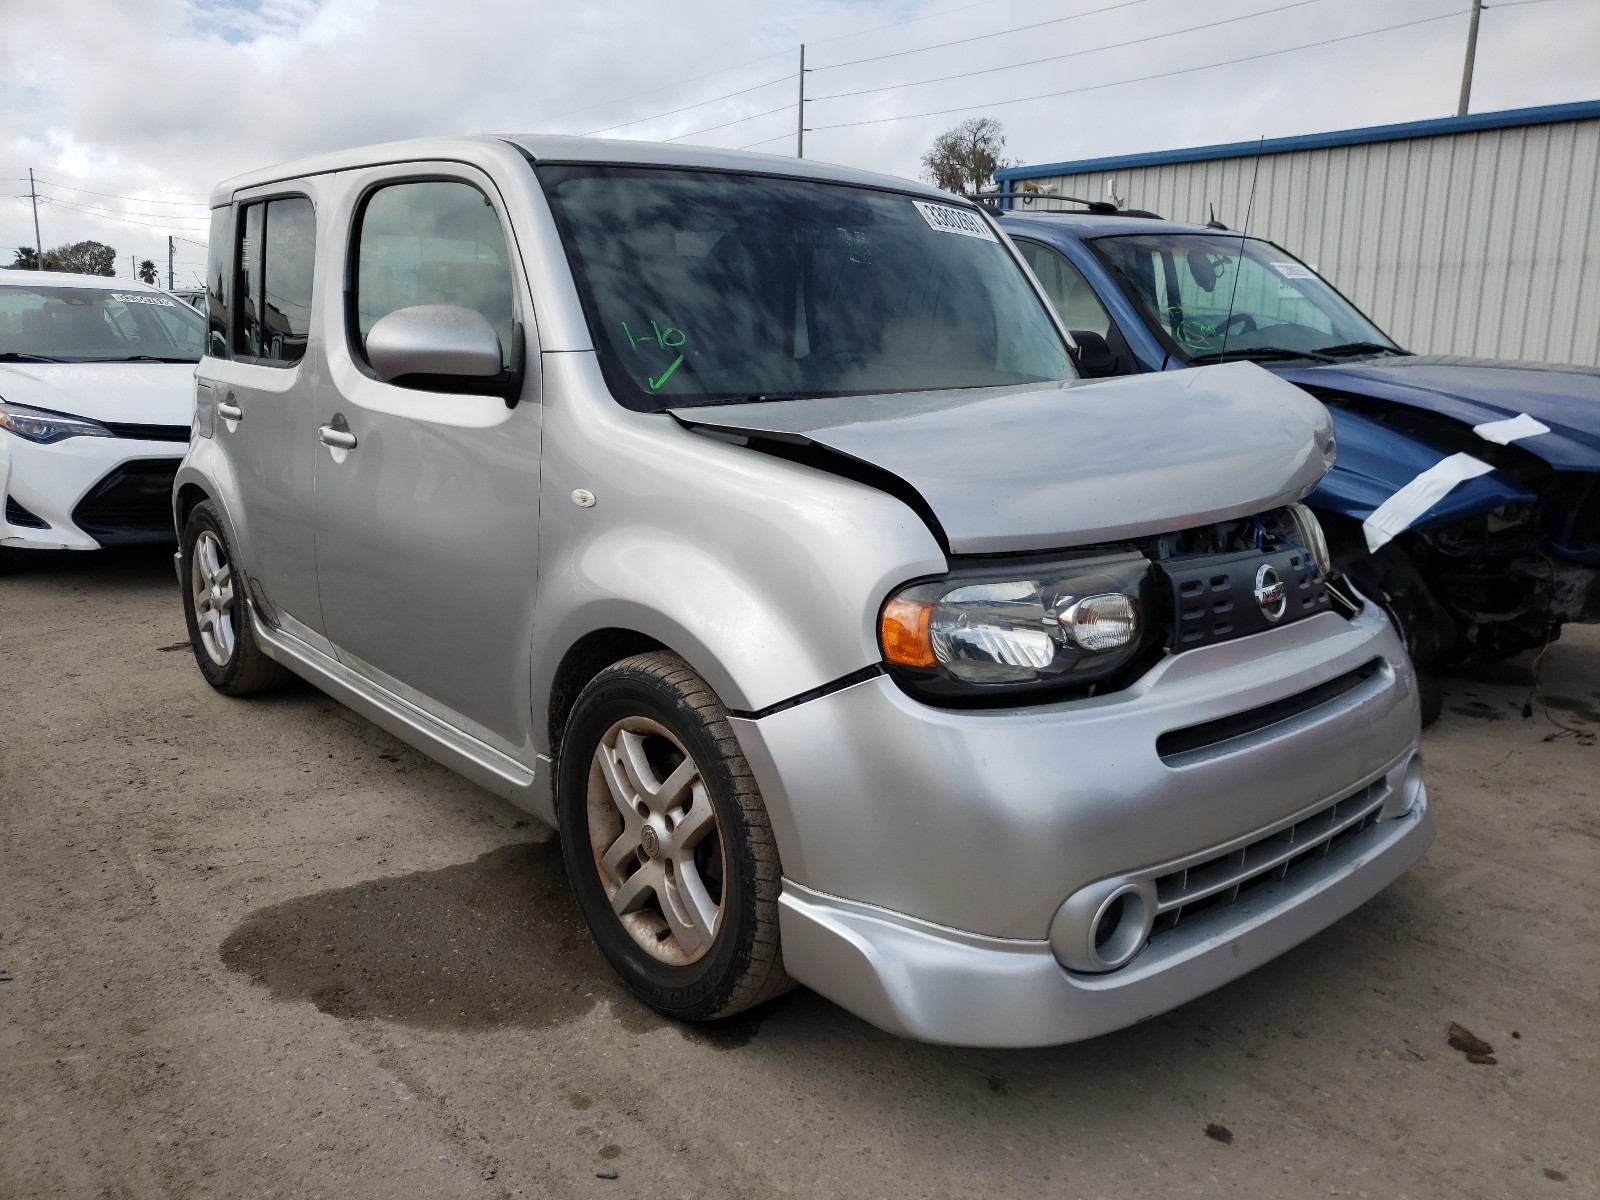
119 196
101 215
116 212
666 87
983 36
781 137
1154 37
738 121
698 104
943 12
1145 78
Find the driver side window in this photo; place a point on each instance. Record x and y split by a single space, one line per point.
1068 290
434 241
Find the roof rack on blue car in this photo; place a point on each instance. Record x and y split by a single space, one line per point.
1093 208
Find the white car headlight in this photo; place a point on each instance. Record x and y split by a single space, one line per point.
41 425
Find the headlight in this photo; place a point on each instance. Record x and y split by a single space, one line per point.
1307 536
40 425
1021 629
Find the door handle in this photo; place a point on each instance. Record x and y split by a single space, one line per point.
337 439
229 411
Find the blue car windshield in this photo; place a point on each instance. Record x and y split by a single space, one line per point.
45 323
703 287
1220 296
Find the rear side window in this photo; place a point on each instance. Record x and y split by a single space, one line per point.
276 252
432 241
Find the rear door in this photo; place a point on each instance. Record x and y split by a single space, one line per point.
427 504
260 385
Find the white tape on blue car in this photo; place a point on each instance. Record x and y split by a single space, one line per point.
1511 430
1396 513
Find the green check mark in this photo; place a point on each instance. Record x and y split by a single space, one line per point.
655 384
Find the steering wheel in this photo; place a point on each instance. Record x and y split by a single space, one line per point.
1237 318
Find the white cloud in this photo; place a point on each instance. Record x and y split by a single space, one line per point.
160 99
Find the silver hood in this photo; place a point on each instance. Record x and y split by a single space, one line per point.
1055 465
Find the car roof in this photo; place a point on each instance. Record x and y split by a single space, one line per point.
555 148
1080 226
71 279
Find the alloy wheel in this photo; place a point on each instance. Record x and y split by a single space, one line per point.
211 581
656 845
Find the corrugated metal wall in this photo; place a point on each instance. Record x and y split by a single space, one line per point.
1483 243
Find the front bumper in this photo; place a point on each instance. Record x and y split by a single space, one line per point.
927 851
84 493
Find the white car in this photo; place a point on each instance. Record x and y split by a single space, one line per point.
96 400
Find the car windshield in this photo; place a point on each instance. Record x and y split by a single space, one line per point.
1222 296
41 323
702 287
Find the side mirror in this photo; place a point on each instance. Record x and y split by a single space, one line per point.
1095 359
439 347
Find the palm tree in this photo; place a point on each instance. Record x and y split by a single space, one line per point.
147 271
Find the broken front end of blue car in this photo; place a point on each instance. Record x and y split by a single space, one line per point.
1479 547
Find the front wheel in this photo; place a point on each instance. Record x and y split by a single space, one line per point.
667 842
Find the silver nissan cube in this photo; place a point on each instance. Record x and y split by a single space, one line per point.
745 519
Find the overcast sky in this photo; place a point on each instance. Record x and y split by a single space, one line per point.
137 107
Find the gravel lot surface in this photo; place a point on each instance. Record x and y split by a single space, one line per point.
260 948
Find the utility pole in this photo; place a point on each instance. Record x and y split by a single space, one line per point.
170 249
33 194
800 120
1472 54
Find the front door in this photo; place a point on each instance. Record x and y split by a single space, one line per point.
427 504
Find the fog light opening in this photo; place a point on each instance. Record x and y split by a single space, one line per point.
1121 927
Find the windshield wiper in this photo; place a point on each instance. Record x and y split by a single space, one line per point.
1361 348
1261 354
143 358
19 356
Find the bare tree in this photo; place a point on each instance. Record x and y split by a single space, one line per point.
964 159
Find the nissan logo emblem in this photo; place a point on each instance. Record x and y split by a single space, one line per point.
1271 593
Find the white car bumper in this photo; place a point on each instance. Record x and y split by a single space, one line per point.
86 492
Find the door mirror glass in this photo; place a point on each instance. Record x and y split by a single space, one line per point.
429 343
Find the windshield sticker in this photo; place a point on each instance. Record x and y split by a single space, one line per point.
1294 270
131 299
942 218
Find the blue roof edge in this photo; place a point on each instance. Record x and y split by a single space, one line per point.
1505 119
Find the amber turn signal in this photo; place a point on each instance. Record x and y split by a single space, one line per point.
903 632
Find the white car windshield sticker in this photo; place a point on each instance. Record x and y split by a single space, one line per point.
1512 429
945 219
128 299
1294 271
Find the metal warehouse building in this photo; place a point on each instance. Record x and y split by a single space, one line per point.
1475 235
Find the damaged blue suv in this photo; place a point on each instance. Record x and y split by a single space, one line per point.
1466 495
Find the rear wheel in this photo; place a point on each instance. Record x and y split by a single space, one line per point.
224 644
667 842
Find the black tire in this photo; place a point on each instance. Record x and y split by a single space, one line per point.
247 669
742 966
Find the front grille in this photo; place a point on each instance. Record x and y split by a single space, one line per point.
148 433
1213 597
19 516
1195 743
1185 893
131 505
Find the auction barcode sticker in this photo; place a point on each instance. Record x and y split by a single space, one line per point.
947 219
126 298
1294 271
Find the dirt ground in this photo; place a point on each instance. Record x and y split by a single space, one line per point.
260 948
